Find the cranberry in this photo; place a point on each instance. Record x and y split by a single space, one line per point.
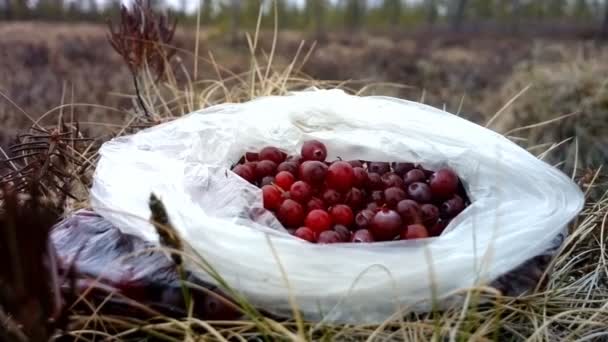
355 163
402 168
284 180
444 183
314 150
289 166
438 227
451 207
430 214
362 236
272 197
379 167
413 176
331 197
300 191
364 218
340 176
385 225
268 180
252 156
291 213
360 176
374 181
392 179
318 220
265 168
343 232
329 236
315 203
273 154
409 211
313 171
354 198
306 233
394 195
245 171
419 192
377 196
373 206
414 231
342 214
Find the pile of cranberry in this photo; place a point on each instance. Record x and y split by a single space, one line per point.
352 201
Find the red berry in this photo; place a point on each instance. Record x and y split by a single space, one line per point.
444 183
419 192
342 214
451 207
354 198
245 171
314 150
379 167
377 196
329 236
343 232
318 220
430 214
306 233
413 176
374 181
385 225
414 231
391 179
355 163
273 154
364 218
394 195
284 180
340 176
265 168
409 211
360 176
313 171
331 197
438 227
362 236
315 203
402 168
252 156
300 191
271 197
291 213
373 206
288 166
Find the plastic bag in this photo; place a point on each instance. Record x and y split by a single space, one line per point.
519 203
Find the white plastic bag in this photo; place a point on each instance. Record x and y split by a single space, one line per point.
519 203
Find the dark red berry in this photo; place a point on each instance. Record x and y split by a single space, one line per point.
252 156
413 176
444 183
272 153
373 206
451 207
288 166
409 211
385 225
419 192
245 171
355 163
394 195
300 191
284 180
342 214
306 233
364 218
315 203
291 213
354 198
377 196
272 197
268 180
414 231
362 236
402 168
313 172
331 197
265 168
314 150
379 167
329 236
343 232
318 220
392 179
430 214
374 181
360 177
438 227
340 176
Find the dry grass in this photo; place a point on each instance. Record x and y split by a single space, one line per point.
571 303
